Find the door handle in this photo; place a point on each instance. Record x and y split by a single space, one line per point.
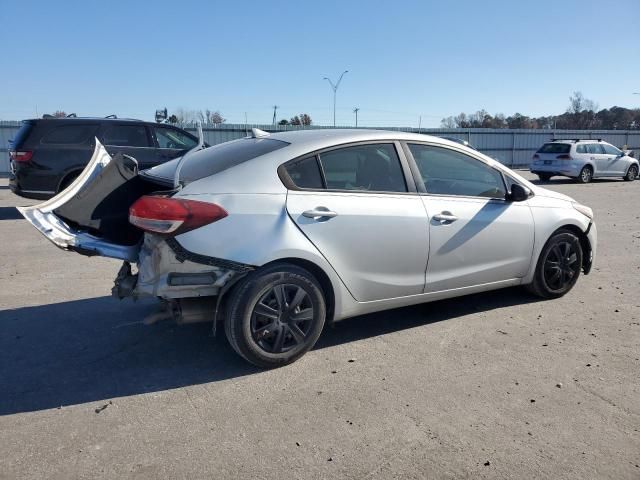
319 212
445 217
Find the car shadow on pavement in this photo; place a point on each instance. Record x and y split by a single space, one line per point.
10 213
97 349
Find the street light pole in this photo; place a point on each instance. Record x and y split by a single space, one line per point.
356 110
335 91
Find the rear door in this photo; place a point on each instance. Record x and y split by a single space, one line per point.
354 205
131 139
476 236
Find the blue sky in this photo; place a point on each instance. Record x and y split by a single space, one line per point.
405 59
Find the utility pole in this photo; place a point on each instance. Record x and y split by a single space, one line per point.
275 109
419 123
335 91
356 110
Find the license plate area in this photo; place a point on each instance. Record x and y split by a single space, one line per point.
548 162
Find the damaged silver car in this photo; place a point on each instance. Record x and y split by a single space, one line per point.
277 234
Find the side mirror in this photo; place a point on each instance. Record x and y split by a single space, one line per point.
518 193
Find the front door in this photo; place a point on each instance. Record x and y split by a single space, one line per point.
476 236
362 219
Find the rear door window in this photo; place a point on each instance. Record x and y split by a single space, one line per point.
364 167
126 136
555 148
69 134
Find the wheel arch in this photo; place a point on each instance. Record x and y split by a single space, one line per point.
584 244
71 174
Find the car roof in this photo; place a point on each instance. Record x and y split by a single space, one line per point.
85 119
316 139
577 140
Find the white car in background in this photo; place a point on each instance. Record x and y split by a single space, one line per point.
583 160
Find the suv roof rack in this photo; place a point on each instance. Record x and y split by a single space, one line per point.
72 115
113 115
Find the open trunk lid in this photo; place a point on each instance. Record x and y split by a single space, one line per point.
91 215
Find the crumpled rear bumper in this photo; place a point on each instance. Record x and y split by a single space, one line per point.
164 273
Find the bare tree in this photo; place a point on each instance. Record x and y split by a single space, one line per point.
217 118
60 114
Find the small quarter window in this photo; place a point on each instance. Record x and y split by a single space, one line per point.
373 168
448 172
581 149
305 173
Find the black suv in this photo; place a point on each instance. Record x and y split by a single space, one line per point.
47 154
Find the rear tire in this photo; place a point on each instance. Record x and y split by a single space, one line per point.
558 266
632 173
275 315
545 177
586 175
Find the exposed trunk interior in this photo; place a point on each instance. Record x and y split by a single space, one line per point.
102 207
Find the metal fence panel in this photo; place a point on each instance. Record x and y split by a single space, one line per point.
511 147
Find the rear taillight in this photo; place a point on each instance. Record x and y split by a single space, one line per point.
172 215
536 156
564 157
21 156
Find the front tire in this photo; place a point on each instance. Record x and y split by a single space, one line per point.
586 175
275 315
632 173
558 266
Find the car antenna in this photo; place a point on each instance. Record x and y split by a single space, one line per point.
198 147
257 133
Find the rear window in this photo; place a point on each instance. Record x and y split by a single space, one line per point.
215 159
555 148
69 134
21 135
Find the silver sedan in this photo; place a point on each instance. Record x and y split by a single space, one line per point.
276 235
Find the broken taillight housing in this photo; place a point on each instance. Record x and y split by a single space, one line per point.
173 216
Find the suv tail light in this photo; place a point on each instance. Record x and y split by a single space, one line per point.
22 156
171 215
536 156
566 156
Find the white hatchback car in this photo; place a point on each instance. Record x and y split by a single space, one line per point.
278 234
583 160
